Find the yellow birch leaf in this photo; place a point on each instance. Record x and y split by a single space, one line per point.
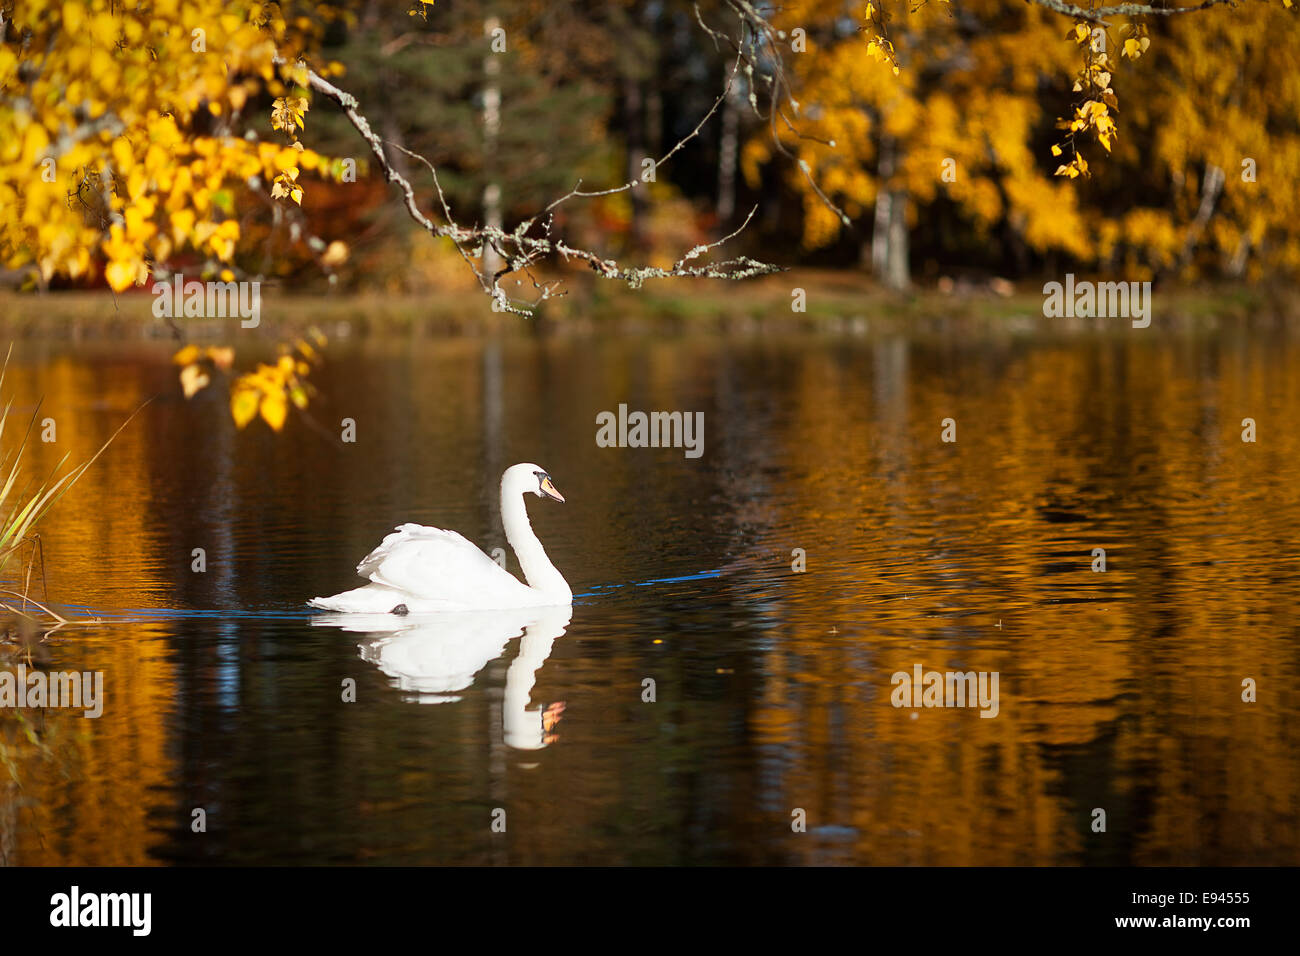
120 274
243 405
222 357
275 409
187 355
193 380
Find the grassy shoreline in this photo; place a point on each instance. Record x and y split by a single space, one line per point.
835 302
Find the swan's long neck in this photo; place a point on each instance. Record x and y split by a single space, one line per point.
538 570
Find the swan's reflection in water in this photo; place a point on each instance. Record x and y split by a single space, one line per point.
435 657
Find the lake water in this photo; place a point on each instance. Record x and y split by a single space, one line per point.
1118 690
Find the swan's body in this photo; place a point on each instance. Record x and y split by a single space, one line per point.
418 570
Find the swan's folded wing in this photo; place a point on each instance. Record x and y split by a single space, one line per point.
433 563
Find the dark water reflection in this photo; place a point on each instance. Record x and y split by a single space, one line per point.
1119 691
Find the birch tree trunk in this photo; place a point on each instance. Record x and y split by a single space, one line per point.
728 150
889 245
491 134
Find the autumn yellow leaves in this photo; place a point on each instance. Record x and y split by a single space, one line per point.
145 100
287 114
193 361
1001 111
268 391
879 47
1093 84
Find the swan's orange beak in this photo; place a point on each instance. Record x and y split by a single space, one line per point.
550 489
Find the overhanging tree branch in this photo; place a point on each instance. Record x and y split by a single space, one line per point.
520 251
1099 14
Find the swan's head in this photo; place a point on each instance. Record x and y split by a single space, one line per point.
527 477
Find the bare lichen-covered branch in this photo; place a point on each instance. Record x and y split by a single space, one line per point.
520 249
1099 14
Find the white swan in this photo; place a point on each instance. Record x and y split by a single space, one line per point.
418 570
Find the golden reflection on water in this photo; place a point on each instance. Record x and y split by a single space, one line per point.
1120 691
82 791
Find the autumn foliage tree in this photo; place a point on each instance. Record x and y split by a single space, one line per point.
127 137
1156 141
137 139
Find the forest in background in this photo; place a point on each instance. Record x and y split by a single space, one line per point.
911 143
